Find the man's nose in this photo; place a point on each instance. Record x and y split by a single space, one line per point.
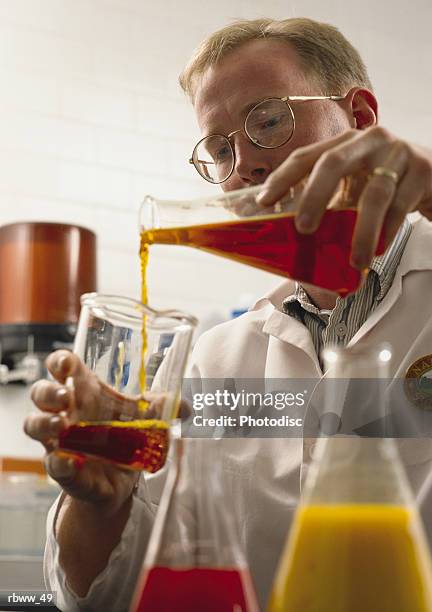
251 165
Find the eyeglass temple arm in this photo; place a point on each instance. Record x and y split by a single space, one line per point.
305 98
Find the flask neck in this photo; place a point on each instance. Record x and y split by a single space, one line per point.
195 525
356 470
359 463
354 389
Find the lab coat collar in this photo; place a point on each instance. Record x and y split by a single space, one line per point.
275 296
416 257
417 253
282 326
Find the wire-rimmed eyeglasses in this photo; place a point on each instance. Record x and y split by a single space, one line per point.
269 125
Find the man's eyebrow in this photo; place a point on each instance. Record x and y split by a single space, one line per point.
248 107
243 112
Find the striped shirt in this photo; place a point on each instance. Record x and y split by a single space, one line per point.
338 326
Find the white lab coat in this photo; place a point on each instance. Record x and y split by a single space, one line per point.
263 476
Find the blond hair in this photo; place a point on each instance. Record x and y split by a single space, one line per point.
324 53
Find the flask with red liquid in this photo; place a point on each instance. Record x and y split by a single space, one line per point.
235 226
194 561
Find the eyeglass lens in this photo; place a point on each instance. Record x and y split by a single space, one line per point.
269 124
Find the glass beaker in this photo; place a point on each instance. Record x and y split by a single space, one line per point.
137 357
233 225
194 561
357 542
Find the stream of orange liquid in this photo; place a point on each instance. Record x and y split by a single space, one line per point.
144 257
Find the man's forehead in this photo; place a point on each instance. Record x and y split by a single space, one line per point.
255 70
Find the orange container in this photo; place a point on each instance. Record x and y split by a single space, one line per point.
44 268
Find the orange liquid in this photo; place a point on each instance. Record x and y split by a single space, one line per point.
272 243
139 445
144 255
354 558
196 590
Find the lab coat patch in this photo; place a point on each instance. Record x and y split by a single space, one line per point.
418 382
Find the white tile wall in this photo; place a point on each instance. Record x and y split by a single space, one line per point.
91 119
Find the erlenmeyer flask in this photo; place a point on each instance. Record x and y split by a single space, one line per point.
233 225
194 561
357 543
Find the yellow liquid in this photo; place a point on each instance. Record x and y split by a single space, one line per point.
143 405
354 558
144 256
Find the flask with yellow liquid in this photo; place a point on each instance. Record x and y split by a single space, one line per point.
357 542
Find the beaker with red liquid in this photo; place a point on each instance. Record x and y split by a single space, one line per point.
194 560
126 398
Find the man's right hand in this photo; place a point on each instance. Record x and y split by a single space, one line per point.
97 482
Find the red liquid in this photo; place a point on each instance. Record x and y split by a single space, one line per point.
196 590
140 445
272 243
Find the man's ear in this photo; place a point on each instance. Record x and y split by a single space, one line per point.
363 107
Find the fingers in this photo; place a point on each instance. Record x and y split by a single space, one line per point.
62 364
50 396
91 480
157 404
380 200
295 167
79 476
348 158
62 468
369 224
320 189
409 196
52 399
425 208
185 409
44 428
375 200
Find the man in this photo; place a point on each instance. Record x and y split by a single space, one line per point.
99 529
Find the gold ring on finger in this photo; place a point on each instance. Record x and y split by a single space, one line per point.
388 172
